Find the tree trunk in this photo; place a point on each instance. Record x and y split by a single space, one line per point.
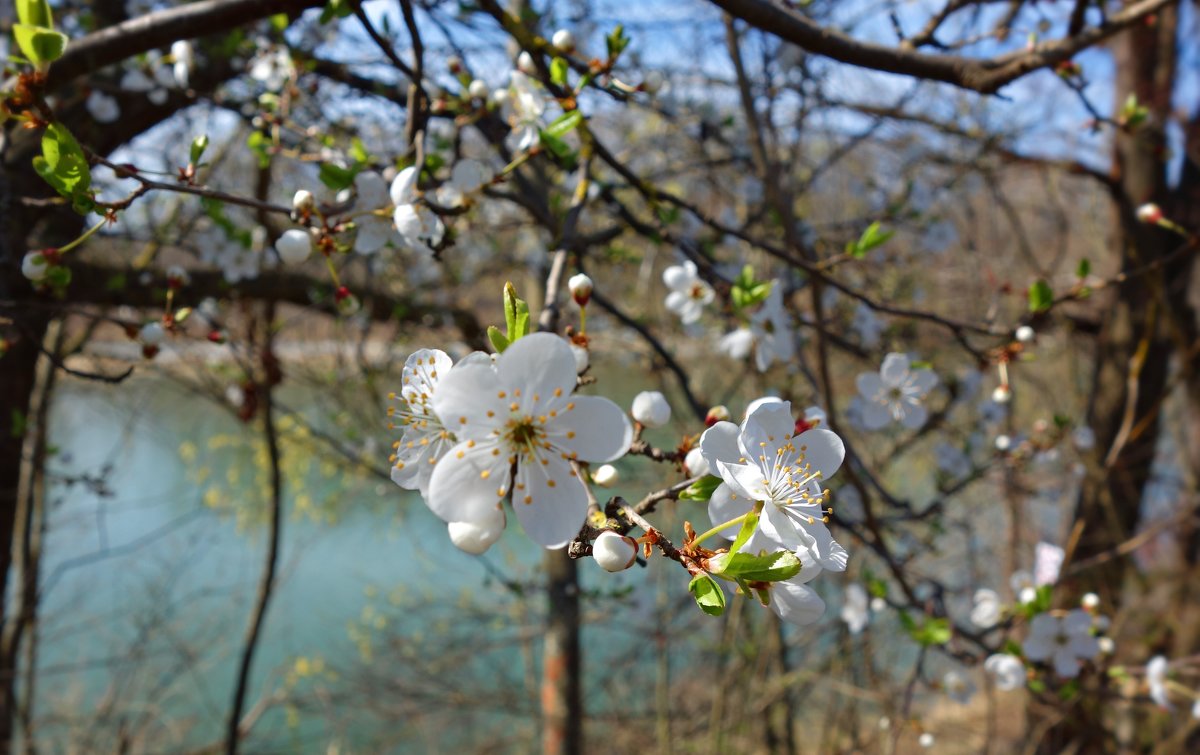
562 698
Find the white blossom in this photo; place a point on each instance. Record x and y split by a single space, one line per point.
925 740
294 246
606 476
523 109
425 438
614 552
772 329
695 464
855 608
1156 680
475 537
1047 562
519 414
1023 586
303 200
737 344
184 57
985 614
1065 642
152 334
374 230
650 408
689 293
1025 334
895 393
764 461
271 67
416 223
1006 670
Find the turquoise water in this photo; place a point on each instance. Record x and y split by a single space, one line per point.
380 635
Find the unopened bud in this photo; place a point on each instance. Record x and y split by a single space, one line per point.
1090 601
303 201
719 413
695 463
605 476
477 537
1150 213
294 246
614 552
1106 645
478 89
650 408
177 277
34 266
581 289
1025 334
455 64
525 63
582 358
564 40
152 334
1002 394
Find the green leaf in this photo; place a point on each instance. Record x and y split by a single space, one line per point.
336 177
498 339
199 144
558 71
700 490
931 632
616 42
745 532
358 151
62 163
335 9
708 594
279 21
41 45
564 124
870 239
766 567
58 276
35 13
1083 268
258 143
516 313
1041 296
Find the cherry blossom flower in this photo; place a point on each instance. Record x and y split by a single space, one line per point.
1023 586
695 465
416 223
374 231
520 415
523 109
425 438
895 393
1156 680
793 600
1006 670
1065 642
466 178
772 329
737 344
986 612
689 292
1047 562
765 461
856 608
271 67
184 59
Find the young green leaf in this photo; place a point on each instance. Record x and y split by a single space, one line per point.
498 339
41 45
199 145
749 525
700 490
1041 296
708 594
768 567
564 124
558 71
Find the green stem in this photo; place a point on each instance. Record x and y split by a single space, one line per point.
715 530
86 235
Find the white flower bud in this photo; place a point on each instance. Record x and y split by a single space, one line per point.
606 476
614 552
582 358
651 409
925 740
478 89
1002 394
34 266
1150 213
885 723
581 289
1107 646
477 537
525 64
294 246
696 464
177 276
1090 601
152 334
719 413
1003 442
499 97
563 39
1027 595
1025 334
303 201
878 604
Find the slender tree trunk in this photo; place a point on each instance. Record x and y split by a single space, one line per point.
562 695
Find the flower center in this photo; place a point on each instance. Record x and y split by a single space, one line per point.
697 291
524 436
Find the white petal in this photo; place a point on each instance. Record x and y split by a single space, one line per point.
796 603
371 189
464 398
771 423
551 514
592 427
678 277
869 384
408 222
373 233
732 475
923 380
914 417
677 302
875 416
538 365
894 369
1065 663
404 187
823 451
719 443
1077 622
468 482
